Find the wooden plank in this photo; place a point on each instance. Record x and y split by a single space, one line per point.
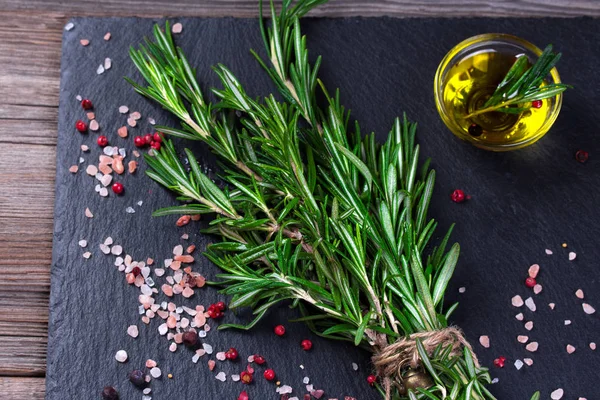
22 388
23 356
339 8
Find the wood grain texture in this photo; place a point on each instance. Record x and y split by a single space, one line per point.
29 82
22 388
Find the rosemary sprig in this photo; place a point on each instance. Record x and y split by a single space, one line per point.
311 211
523 84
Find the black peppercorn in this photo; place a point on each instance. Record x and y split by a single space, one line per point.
475 130
190 338
110 393
138 378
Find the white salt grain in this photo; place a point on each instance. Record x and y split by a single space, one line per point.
88 213
221 356
163 329
106 180
235 378
97 188
588 309
462 289
532 347
221 376
151 121
567 322
306 380
83 243
81 160
107 63
159 272
178 250
133 331
103 192
108 241
484 340
557 394
155 372
139 203
123 109
69 26
528 361
130 210
202 334
116 250
104 248
87 255
173 347
495 380
549 252
207 347
121 356
147 391
592 346
570 349
572 256
530 304
100 69
355 366
517 301
109 150
518 364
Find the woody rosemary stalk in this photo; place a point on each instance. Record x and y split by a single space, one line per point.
315 213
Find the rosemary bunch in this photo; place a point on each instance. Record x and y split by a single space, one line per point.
312 211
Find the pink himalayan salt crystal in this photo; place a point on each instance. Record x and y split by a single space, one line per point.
579 294
592 346
588 309
173 347
533 346
484 340
570 349
317 394
221 356
537 289
551 305
73 169
88 213
167 289
529 325
150 363
211 364
534 270
517 301
522 338
178 338
121 356
177 28
188 292
549 252
519 316
171 322
528 361
133 331
177 289
572 256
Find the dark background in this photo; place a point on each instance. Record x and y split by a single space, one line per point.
522 203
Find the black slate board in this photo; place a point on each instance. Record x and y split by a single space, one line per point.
523 202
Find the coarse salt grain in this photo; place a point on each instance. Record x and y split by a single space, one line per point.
155 372
121 356
88 213
207 347
108 241
69 26
221 376
588 309
518 364
534 270
104 248
87 255
495 380
116 250
163 329
528 361
529 325
135 115
567 322
178 250
235 377
73 169
549 252
107 36
592 346
355 366
107 63
173 347
484 340
519 316
84 42
129 210
123 109
557 394
462 289
532 347
522 338
82 243
221 356
517 301
530 304
177 28
572 256
537 289
133 331
100 69
579 294
570 349
91 170
551 305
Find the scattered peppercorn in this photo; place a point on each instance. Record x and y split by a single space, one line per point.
138 378
148 138
118 188
530 282
139 141
246 377
214 312
258 359
458 196
371 379
190 338
499 362
86 104
306 345
243 396
279 330
81 126
102 141
157 137
475 130
536 104
136 271
220 306
110 393
269 374
582 156
231 354
170 376
155 145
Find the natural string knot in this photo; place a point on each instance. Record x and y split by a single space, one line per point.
390 360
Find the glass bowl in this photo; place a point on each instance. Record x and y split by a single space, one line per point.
456 80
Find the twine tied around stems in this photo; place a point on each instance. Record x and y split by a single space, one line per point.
390 360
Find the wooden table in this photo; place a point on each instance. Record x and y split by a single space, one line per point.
29 80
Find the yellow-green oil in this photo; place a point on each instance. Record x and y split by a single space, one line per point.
469 84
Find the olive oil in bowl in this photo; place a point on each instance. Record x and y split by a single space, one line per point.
467 78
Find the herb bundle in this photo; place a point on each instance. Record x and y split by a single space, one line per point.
314 213
524 84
